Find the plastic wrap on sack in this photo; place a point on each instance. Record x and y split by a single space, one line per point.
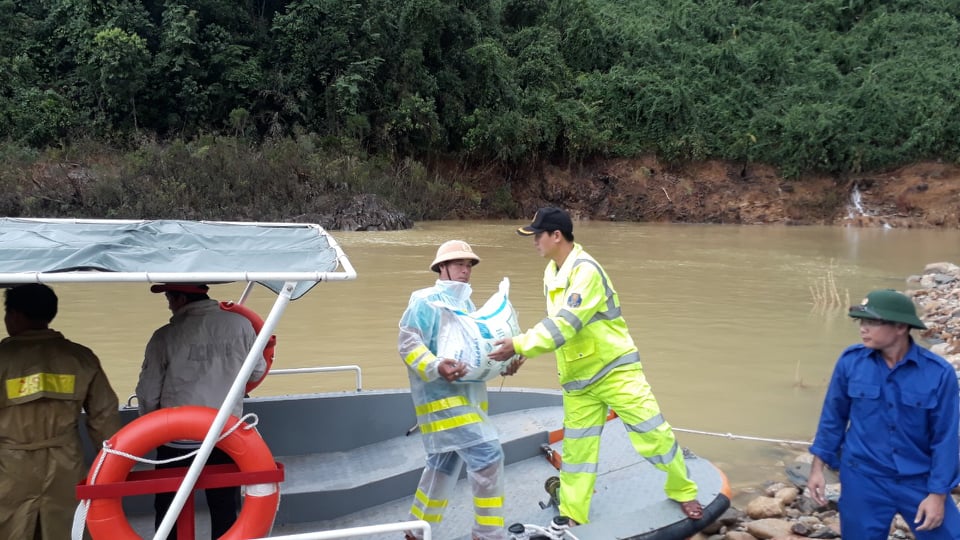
469 337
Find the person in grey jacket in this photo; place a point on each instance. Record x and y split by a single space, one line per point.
193 360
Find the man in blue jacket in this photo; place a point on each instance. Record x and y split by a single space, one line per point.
890 424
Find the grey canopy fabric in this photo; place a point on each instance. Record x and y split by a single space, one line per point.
34 250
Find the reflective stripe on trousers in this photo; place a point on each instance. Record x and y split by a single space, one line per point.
585 412
485 474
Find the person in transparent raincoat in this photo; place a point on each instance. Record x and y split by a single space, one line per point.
452 416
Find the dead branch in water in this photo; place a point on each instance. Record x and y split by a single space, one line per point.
826 295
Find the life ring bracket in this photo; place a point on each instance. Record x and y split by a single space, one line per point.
105 518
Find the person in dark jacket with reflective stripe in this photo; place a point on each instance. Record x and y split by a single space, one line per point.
45 382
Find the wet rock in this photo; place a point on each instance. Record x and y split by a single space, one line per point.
939 301
773 488
801 529
713 528
764 507
368 213
786 495
769 528
829 516
799 471
899 524
941 268
732 516
806 505
824 532
812 522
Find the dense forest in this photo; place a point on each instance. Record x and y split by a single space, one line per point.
243 102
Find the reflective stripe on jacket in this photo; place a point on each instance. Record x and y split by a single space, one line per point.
583 323
451 415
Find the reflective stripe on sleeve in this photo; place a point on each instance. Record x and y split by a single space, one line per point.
609 315
555 334
571 319
416 359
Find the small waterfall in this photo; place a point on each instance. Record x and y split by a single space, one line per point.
856 213
855 208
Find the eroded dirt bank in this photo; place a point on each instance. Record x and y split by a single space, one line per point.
920 195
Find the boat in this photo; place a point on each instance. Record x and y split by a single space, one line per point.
350 460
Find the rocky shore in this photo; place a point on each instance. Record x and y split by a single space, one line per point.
783 511
937 293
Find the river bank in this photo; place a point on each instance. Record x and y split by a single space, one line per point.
645 189
225 180
781 509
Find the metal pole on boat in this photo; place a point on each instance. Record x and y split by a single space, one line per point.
367 530
236 392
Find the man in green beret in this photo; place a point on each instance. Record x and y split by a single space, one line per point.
889 423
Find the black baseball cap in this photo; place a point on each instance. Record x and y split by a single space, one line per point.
548 219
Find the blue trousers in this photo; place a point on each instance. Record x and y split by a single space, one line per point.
868 503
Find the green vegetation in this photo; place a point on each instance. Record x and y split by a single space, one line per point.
247 101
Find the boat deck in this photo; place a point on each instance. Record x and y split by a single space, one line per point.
628 501
324 488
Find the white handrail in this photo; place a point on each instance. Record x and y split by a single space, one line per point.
353 532
292 371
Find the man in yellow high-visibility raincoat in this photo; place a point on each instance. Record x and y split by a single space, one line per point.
599 368
45 381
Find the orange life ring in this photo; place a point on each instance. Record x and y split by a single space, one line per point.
105 517
257 323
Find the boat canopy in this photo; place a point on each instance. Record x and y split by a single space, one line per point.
287 258
169 251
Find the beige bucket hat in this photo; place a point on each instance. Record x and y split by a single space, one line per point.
453 250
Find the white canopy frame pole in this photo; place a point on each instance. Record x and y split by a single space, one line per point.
236 392
246 293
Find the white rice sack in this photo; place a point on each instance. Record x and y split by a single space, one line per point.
469 337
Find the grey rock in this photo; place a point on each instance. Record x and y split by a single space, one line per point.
823 532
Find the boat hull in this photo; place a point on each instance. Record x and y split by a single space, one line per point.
351 459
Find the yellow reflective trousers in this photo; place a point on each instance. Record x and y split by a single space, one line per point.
627 392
